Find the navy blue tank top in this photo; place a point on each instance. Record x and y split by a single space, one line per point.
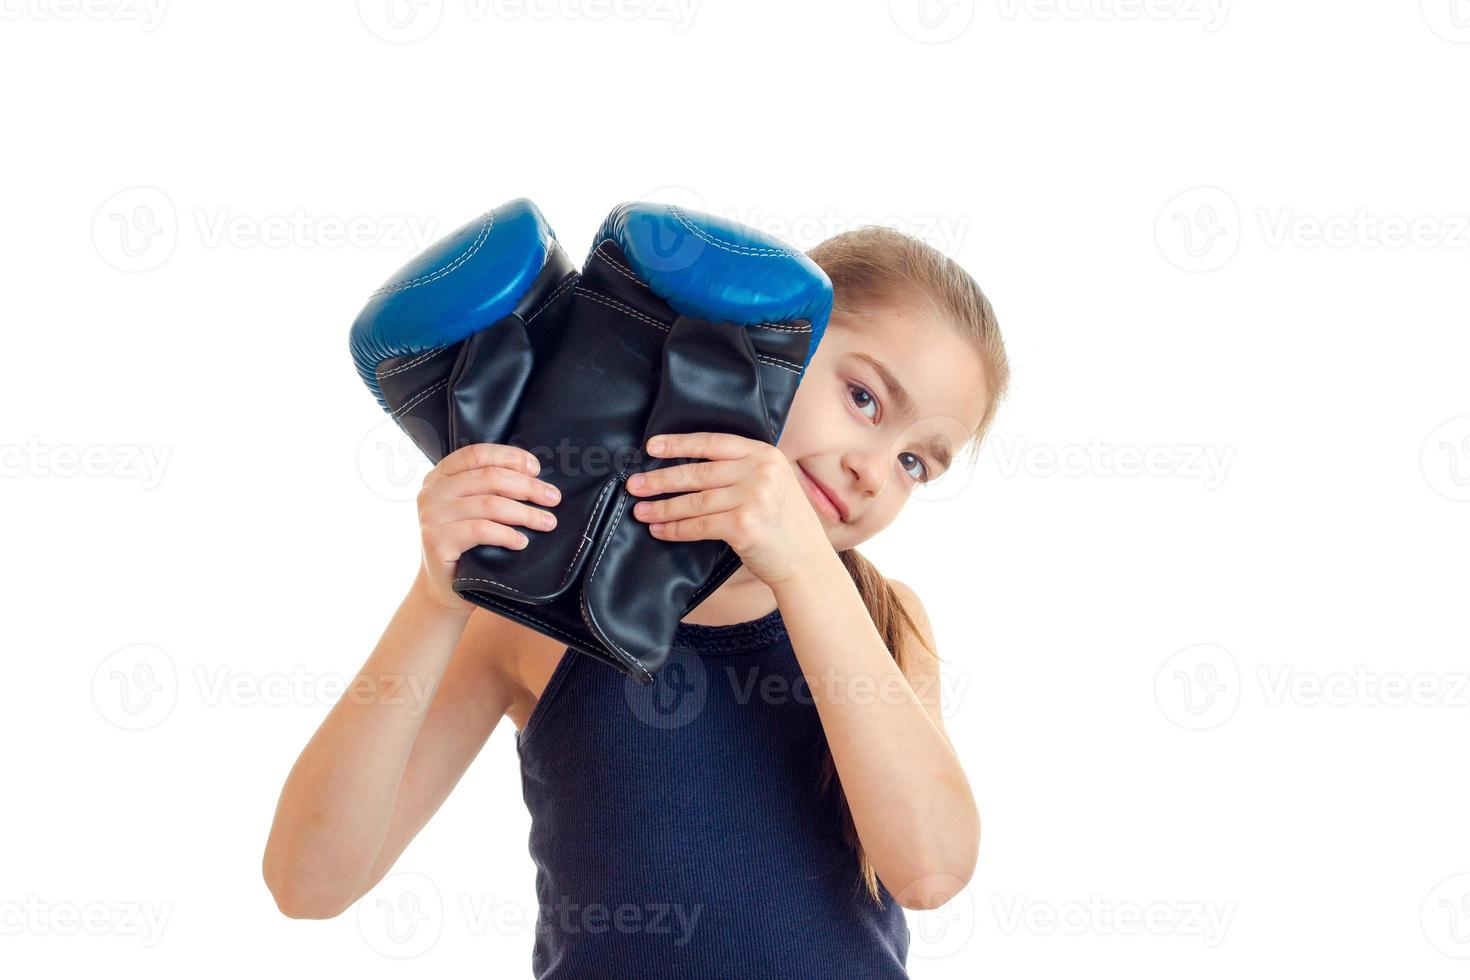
677 829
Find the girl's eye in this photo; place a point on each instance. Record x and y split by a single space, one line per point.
859 390
864 400
923 475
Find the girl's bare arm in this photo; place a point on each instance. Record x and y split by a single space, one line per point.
911 802
383 761
423 704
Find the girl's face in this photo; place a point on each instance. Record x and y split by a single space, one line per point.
885 401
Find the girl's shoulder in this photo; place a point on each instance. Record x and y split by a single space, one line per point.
920 616
921 657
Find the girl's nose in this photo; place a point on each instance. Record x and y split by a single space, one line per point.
868 472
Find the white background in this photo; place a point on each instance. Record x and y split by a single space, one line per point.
1206 664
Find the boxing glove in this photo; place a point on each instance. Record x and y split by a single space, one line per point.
677 321
455 322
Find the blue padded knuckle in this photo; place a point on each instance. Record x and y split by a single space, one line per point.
714 269
464 282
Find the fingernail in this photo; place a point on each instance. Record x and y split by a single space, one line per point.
655 445
635 482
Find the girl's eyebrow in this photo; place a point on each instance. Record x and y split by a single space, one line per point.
900 394
937 447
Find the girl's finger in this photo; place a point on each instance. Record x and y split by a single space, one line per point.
687 529
489 506
688 505
707 527
447 542
685 478
703 445
480 454
497 480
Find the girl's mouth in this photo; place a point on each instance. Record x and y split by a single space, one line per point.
824 504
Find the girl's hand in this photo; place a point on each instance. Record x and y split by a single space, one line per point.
746 495
472 498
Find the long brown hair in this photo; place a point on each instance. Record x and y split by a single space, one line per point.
871 266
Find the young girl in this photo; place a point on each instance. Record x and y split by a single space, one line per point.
786 787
